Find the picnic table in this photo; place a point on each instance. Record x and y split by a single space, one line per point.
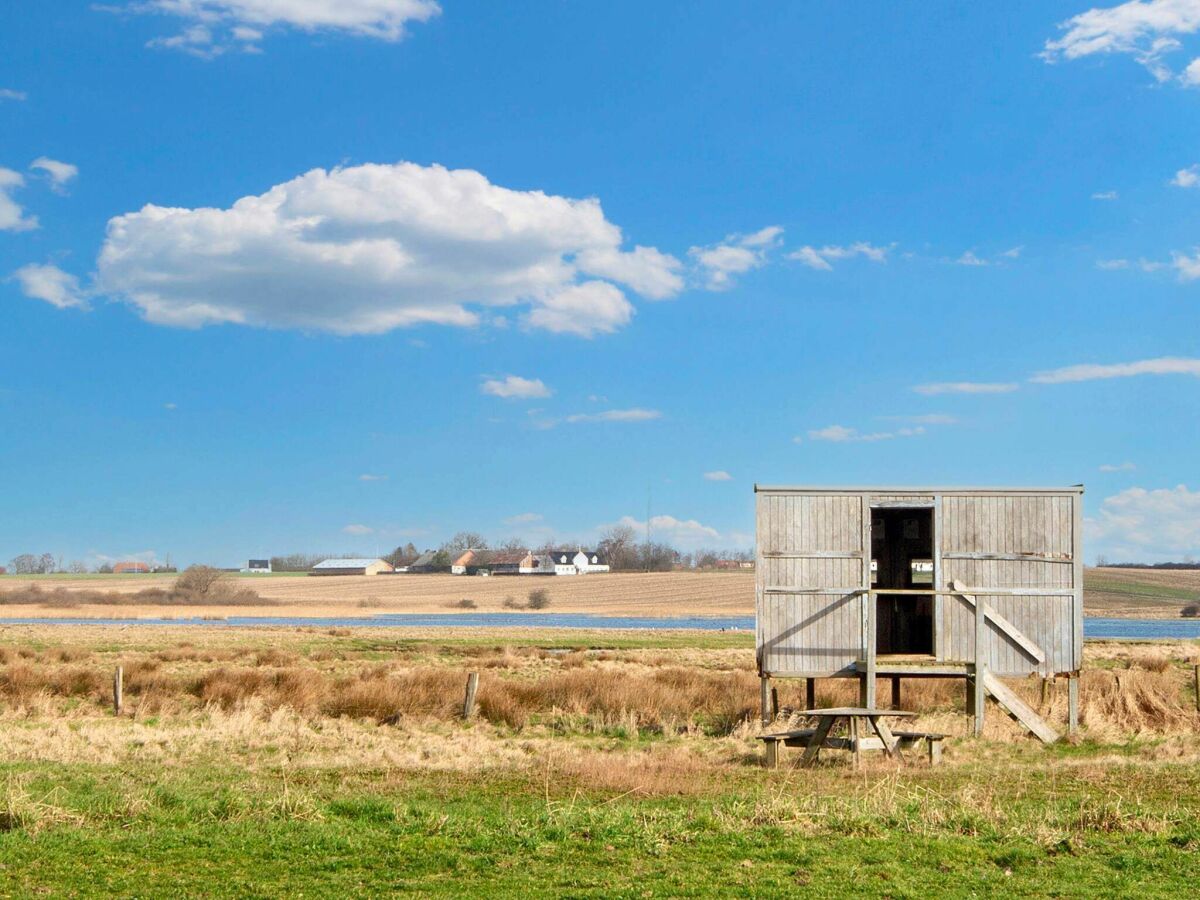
866 730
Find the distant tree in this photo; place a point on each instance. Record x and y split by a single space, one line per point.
512 545
656 557
619 546
47 564
465 540
198 581
440 560
25 564
1191 611
104 569
77 567
707 559
296 562
402 556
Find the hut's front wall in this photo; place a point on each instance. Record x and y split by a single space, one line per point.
813 571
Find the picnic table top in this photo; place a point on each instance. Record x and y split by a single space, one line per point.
855 711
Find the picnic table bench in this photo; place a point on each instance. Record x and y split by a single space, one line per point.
866 730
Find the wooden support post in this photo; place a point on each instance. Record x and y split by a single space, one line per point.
1042 693
810 694
469 699
895 692
1072 704
764 697
772 748
1196 683
868 685
980 693
118 689
774 702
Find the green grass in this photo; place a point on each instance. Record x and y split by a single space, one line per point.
222 832
1138 590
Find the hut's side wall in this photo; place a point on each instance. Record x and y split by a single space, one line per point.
810 557
1012 541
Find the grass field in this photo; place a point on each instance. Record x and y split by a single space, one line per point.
1112 592
267 762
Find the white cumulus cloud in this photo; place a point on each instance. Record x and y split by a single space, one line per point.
53 285
11 94
367 476
683 534
1147 30
59 173
736 255
1140 525
12 216
1166 365
718 475
370 248
212 27
1187 178
358 529
1104 195
514 387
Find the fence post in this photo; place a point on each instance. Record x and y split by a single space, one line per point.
1196 682
118 684
469 699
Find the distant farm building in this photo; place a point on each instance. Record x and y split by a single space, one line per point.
258 567
461 562
515 562
350 567
131 568
577 562
3 571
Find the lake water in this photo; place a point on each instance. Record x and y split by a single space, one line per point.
1092 627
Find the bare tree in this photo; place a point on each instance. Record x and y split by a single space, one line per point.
620 547
465 540
198 581
77 567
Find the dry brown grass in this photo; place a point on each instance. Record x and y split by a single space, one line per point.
61 598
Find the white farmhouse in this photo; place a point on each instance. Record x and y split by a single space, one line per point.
577 562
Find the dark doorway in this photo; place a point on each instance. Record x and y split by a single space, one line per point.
902 554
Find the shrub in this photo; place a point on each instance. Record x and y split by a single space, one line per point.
1191 611
464 603
199 581
510 603
539 598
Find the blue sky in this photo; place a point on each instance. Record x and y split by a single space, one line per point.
318 276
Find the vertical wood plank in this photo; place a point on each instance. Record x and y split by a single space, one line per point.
469 697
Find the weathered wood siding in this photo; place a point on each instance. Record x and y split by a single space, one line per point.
812 562
1011 541
810 557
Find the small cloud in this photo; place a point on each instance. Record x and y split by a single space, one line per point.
523 519
1012 252
1112 264
820 257
514 387
170 406
839 434
970 259
1123 467
1187 178
12 216
357 529
966 387
1190 77
59 173
736 255
1166 365
370 477
718 475
1187 266
52 285
617 415
10 94
1104 195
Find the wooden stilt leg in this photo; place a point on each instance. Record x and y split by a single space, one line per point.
772 754
764 685
1072 704
979 698
895 692
810 693
855 737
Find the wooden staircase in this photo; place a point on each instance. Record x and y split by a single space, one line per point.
1018 708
